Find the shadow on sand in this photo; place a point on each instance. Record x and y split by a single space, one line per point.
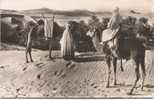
93 58
149 86
85 57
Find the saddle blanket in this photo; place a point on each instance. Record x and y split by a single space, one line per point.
109 34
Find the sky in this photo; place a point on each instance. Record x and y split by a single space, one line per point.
93 5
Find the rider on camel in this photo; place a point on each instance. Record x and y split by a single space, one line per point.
114 26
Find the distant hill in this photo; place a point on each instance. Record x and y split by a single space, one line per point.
58 12
72 13
7 13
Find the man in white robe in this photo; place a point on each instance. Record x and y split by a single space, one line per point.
67 44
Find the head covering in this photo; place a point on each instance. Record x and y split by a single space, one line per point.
143 19
67 26
116 10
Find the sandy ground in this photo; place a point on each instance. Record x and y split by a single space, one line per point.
86 78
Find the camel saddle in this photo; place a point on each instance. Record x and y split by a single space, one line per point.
109 34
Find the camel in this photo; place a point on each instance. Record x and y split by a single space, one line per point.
130 47
34 30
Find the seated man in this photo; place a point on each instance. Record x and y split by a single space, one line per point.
113 28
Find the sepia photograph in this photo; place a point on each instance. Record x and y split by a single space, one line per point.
77 49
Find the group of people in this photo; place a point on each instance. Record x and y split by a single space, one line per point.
128 26
113 25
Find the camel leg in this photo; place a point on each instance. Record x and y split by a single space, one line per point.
121 66
50 48
28 46
143 73
26 53
115 68
30 49
137 76
108 60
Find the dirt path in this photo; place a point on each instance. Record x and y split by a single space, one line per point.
52 78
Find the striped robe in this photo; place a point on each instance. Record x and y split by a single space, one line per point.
48 28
